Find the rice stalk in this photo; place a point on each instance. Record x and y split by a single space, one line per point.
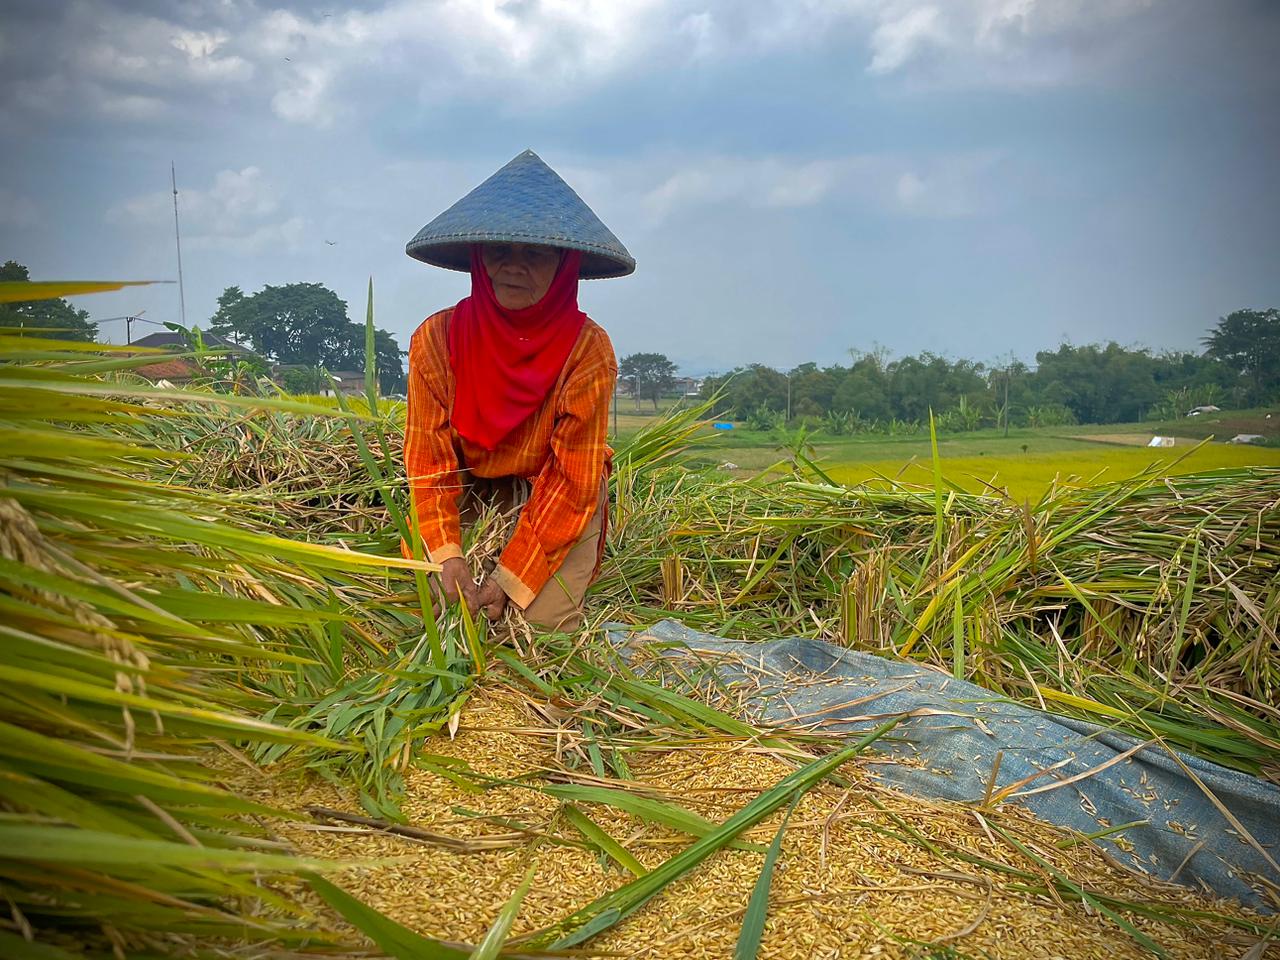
156 604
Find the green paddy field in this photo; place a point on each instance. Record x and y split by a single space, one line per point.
1026 463
1029 475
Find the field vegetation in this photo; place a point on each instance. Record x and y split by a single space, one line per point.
216 667
1024 461
1073 384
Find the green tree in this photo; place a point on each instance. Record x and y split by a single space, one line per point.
864 388
1010 390
231 319
306 324
929 382
748 390
651 374
295 323
812 389
71 324
388 358
1248 341
1098 384
301 380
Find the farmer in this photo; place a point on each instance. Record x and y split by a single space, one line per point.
509 394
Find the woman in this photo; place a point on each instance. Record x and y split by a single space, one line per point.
509 394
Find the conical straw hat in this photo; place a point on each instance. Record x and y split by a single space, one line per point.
524 202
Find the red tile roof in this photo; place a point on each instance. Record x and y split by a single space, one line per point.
168 370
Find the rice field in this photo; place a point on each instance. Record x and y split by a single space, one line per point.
1030 475
234 723
1026 463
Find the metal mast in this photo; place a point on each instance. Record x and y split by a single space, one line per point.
177 237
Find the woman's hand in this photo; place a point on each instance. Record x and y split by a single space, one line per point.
456 581
492 598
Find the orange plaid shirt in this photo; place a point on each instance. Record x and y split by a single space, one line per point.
560 449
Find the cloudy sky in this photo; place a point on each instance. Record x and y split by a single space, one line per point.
797 178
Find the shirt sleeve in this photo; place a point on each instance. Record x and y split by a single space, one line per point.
566 491
430 460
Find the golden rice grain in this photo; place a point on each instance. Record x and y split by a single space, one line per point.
845 887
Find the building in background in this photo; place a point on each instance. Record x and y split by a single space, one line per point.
346 382
183 369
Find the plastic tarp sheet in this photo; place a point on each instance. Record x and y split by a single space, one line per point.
1077 774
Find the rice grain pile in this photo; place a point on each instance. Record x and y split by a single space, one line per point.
850 882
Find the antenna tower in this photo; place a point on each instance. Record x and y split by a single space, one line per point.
177 238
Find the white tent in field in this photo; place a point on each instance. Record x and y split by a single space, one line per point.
1160 442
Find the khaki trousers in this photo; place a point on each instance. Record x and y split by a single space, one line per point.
558 605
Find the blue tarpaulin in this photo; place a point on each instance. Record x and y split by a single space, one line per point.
1076 774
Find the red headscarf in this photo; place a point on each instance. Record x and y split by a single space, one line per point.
505 362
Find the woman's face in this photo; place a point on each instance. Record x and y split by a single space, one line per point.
521 272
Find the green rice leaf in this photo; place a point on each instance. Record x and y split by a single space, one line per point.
752 931
20 948
597 835
396 939
646 808
22 291
493 941
102 849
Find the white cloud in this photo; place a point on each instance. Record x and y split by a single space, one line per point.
241 195
521 55
959 185
998 42
116 47
239 211
700 27
757 182
525 53
102 58
952 185
897 39
203 60
129 106
305 97
910 188
287 236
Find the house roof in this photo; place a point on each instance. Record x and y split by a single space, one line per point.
172 340
347 374
168 370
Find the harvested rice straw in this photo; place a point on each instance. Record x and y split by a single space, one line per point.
1151 598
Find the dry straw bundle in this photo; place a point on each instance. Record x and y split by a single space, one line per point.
1152 604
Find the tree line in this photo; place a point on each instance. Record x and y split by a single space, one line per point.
305 328
1092 383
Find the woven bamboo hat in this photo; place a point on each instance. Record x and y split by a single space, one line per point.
524 202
